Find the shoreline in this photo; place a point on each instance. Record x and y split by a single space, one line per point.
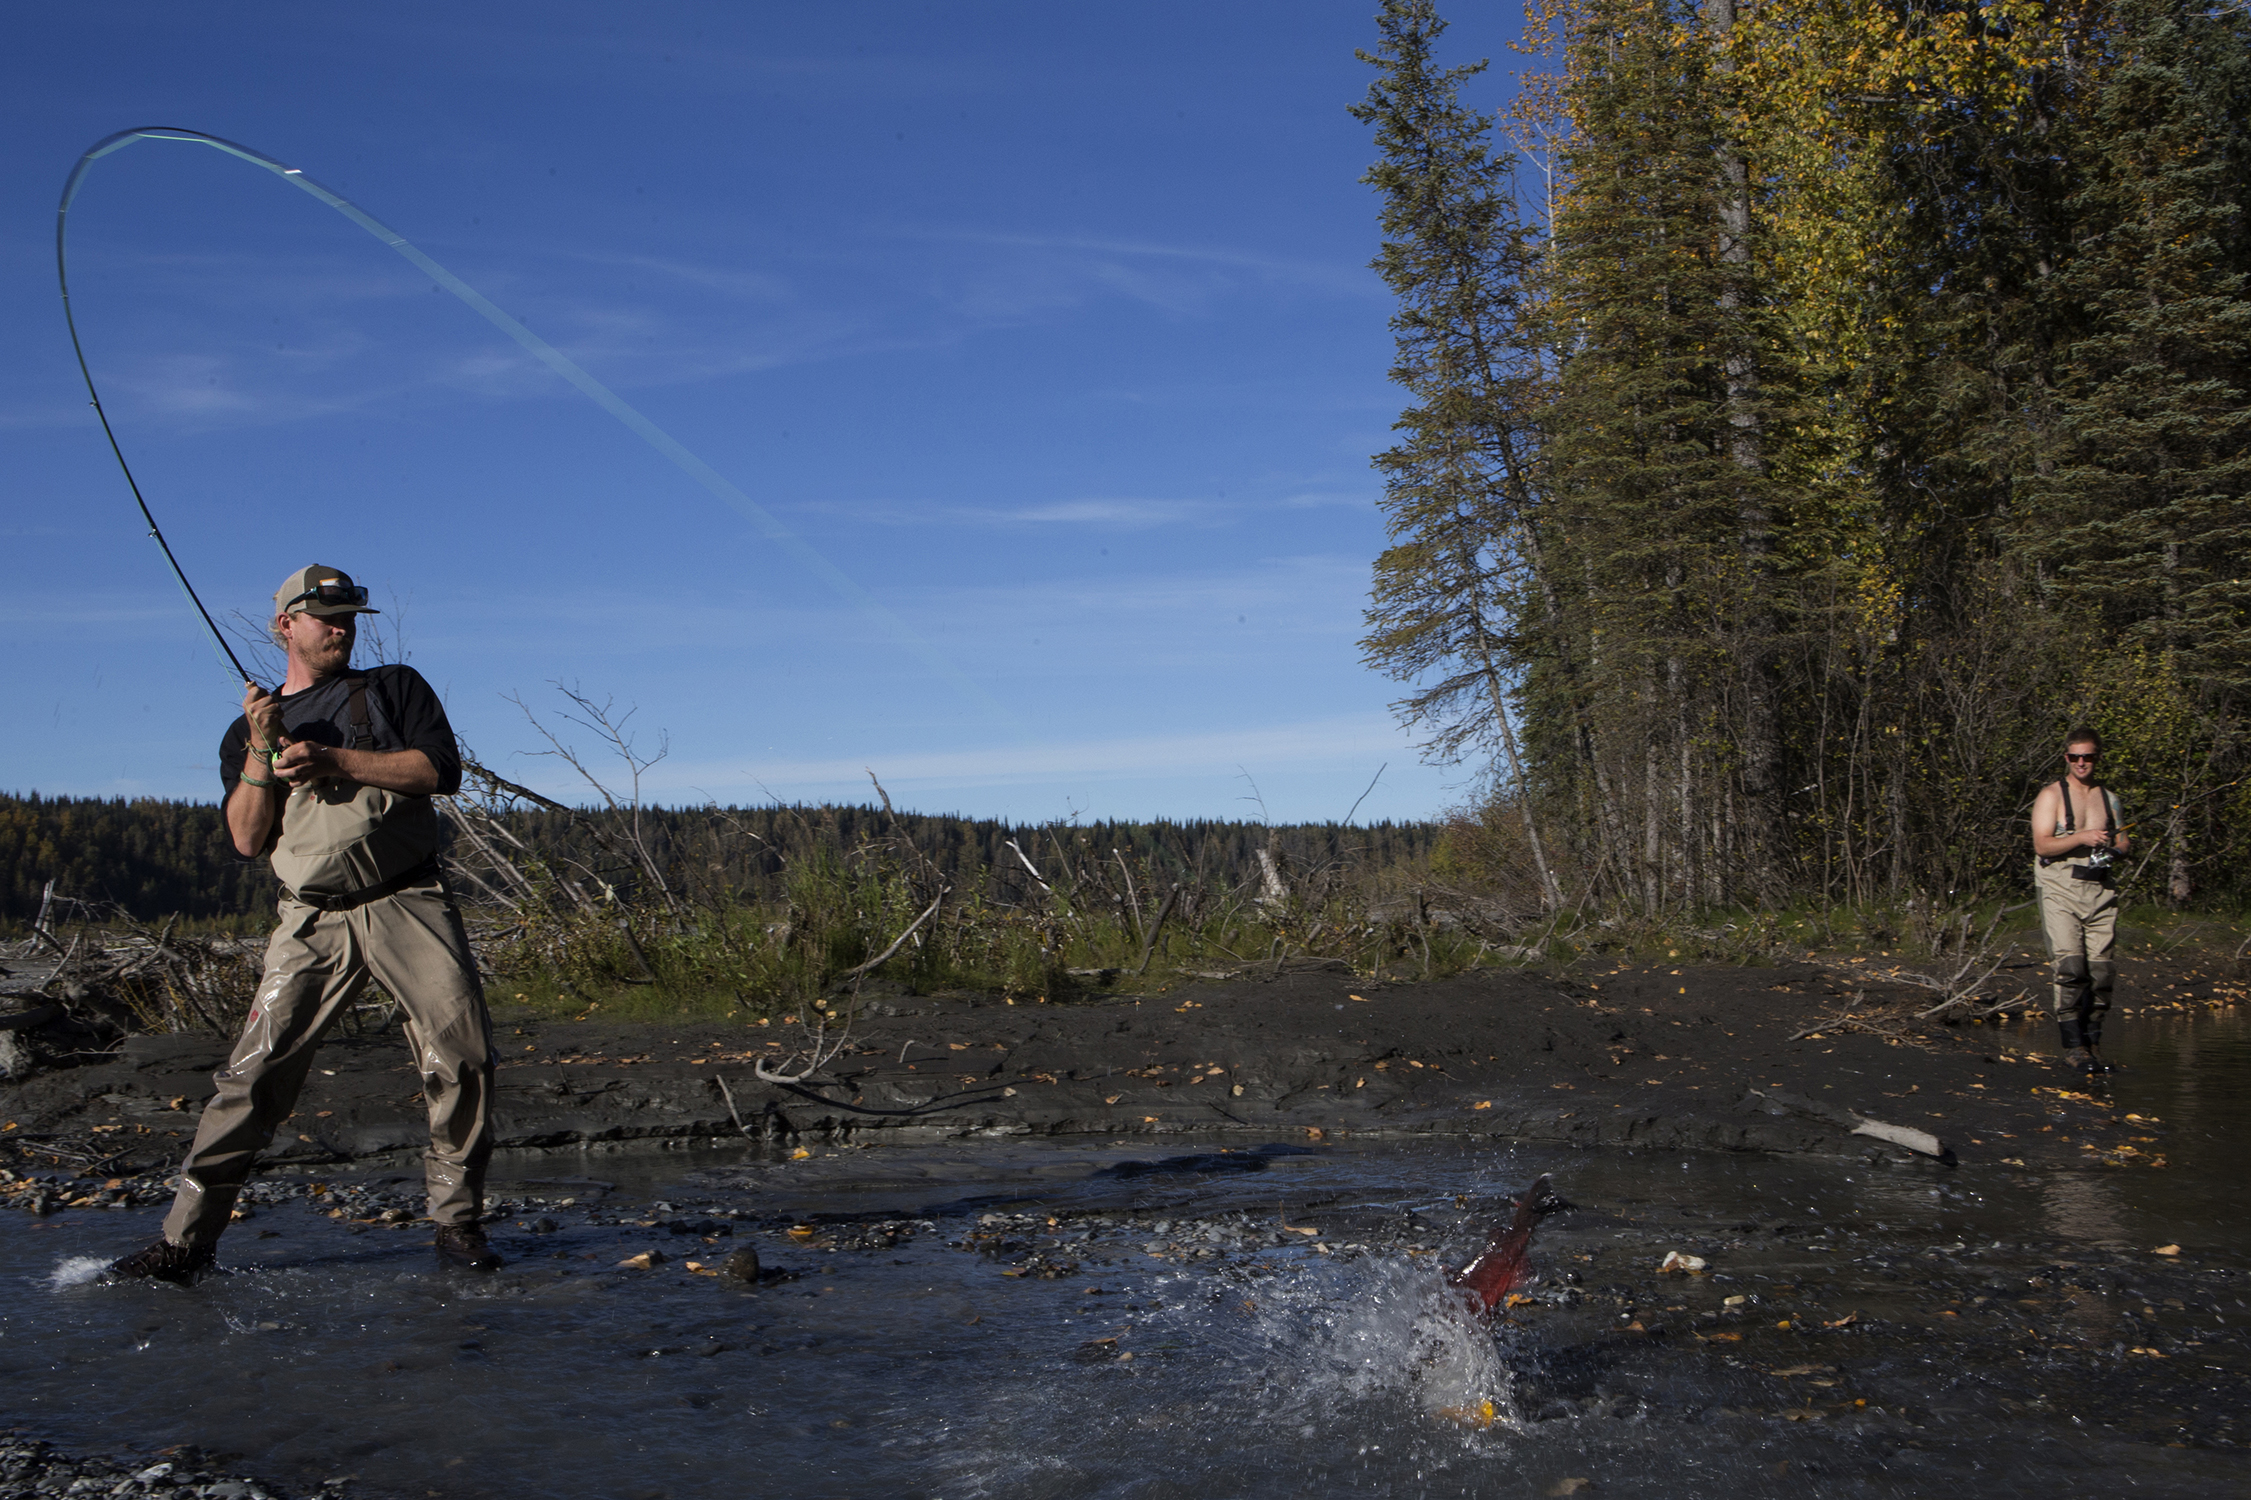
1700 1058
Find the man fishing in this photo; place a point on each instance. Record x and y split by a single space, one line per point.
331 779
2075 835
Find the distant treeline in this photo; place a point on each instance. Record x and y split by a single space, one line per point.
152 858
155 858
742 852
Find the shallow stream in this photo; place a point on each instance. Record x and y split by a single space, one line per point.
1128 1318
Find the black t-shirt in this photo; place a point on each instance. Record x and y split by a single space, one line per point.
402 714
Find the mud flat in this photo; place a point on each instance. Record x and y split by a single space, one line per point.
1711 1059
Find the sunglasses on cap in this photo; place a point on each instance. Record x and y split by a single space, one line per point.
330 596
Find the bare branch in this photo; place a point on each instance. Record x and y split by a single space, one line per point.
841 980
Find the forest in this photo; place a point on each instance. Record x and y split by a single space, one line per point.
149 859
1816 410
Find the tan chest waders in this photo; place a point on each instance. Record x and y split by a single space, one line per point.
364 898
2079 918
343 844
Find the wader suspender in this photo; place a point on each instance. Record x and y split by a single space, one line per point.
363 732
2070 819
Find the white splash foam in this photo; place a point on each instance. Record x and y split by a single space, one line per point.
76 1271
1374 1339
1396 1329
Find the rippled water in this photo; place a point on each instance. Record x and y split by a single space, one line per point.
1276 1364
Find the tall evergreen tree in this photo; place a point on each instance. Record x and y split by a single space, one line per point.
1459 499
1889 361
1653 455
2144 520
2141 525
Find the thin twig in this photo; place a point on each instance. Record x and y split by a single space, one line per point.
1156 930
732 1113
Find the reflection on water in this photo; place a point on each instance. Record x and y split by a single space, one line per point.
1198 1344
2083 1208
2189 1074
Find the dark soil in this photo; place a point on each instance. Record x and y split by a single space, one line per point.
1696 1058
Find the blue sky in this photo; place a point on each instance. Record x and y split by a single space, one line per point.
1049 325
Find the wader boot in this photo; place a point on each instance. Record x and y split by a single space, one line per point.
2074 997
164 1261
2091 1029
463 1245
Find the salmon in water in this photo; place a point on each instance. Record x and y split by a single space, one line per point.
1500 1267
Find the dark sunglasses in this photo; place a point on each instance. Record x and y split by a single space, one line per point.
2067 754
329 595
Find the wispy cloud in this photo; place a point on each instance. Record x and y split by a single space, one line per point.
195 361
1101 251
1344 741
1093 513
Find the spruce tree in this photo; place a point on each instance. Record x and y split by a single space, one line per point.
1652 456
2144 522
1458 492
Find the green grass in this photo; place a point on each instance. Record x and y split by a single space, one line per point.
747 960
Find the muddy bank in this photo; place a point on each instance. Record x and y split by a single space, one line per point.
1790 1059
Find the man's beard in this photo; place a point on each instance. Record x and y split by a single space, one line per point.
330 656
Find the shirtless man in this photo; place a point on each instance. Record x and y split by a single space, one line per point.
2074 833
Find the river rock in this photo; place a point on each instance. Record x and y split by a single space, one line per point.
742 1265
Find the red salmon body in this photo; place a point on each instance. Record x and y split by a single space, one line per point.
1500 1268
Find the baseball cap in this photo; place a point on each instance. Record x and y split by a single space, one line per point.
321 591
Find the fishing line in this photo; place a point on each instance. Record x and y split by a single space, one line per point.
767 525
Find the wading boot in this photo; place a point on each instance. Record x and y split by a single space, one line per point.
2092 1030
2076 1055
463 1245
165 1261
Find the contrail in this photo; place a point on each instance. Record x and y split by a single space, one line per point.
767 524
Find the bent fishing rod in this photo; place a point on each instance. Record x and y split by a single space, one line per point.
764 521
94 396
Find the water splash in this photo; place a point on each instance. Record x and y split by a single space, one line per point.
76 1270
1384 1330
